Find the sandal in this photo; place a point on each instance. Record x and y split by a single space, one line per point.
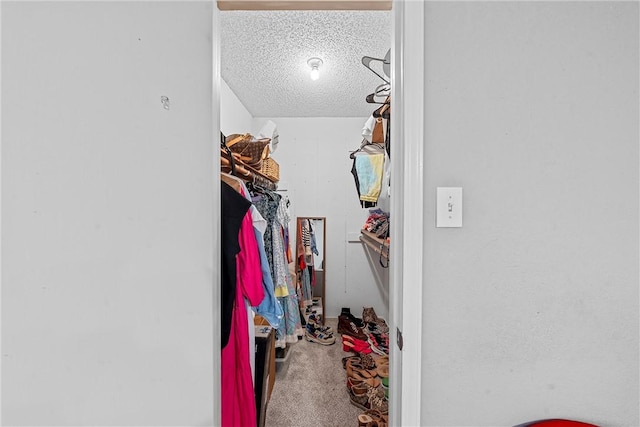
378 419
356 371
358 396
365 420
356 359
355 382
367 361
383 371
382 360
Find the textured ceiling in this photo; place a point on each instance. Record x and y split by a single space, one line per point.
264 60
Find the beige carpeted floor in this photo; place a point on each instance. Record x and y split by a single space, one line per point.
310 388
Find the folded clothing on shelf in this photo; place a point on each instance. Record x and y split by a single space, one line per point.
377 223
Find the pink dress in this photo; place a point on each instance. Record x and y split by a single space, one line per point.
238 401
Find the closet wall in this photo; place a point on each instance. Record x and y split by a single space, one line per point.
234 117
315 170
531 309
107 214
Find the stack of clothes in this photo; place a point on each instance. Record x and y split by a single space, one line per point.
368 369
377 223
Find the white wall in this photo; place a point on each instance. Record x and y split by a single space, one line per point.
531 309
107 231
315 169
234 116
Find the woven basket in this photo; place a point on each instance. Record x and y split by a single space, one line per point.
271 169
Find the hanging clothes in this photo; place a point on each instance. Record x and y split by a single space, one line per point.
273 208
293 323
368 172
234 208
237 396
370 169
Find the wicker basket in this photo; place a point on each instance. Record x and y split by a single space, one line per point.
271 169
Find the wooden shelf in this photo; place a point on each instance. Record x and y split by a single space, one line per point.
375 243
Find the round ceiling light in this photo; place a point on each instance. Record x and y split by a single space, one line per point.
315 64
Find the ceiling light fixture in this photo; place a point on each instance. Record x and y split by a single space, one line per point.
315 64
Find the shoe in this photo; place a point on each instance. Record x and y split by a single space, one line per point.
377 328
383 372
365 420
377 347
358 396
355 359
369 316
385 383
348 327
377 400
367 361
350 343
346 312
373 418
317 336
353 382
382 360
348 346
316 320
369 398
357 372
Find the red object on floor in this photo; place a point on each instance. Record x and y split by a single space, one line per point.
556 423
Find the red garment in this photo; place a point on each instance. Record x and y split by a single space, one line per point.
238 401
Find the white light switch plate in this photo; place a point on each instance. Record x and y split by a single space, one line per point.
448 207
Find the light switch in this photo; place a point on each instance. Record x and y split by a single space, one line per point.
449 207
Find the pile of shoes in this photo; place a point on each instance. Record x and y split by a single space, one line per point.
316 332
377 331
367 370
366 335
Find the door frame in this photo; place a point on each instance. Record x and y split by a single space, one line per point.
407 207
408 204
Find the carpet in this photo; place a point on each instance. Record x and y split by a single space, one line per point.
311 389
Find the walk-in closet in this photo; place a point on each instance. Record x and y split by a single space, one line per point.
305 119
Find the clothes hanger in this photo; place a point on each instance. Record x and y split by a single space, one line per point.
367 60
372 100
383 112
386 65
383 90
363 144
366 147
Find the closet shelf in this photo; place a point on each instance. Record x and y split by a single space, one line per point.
378 245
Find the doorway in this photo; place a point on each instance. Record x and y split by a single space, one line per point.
407 253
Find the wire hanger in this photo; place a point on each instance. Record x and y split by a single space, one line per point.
386 63
366 61
371 99
384 111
